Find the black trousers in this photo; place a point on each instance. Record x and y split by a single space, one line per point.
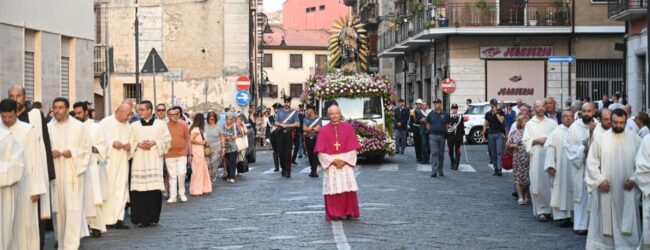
145 206
453 144
274 145
417 140
310 143
285 144
231 164
297 143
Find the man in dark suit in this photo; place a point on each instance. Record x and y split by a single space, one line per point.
401 126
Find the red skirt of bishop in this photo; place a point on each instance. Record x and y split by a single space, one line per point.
341 205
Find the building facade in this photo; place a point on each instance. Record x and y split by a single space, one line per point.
634 14
290 58
309 14
204 44
499 49
47 47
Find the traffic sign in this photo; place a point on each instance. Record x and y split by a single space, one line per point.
448 86
153 61
243 98
243 83
173 75
561 59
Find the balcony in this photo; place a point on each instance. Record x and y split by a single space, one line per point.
478 18
627 10
99 63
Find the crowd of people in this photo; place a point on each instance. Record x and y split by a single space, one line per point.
85 176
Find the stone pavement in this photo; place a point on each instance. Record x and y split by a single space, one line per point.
402 207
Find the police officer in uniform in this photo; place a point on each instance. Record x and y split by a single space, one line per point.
310 128
273 135
455 134
287 121
414 126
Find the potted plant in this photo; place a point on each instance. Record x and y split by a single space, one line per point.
533 20
560 18
484 7
417 9
442 21
549 19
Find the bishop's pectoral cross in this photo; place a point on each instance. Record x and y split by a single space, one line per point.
336 135
337 145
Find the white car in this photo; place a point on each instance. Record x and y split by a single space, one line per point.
475 119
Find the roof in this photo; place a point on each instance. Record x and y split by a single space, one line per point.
316 38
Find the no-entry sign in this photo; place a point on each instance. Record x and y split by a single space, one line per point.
448 86
243 83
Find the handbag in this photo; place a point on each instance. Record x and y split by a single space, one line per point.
242 143
242 164
506 162
207 152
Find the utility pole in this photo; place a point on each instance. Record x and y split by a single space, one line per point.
138 87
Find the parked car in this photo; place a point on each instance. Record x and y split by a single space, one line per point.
475 119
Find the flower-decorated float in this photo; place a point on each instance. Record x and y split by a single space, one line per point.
365 100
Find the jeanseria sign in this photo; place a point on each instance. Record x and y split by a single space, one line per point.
516 52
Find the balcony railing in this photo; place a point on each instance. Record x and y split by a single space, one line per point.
625 10
99 64
474 15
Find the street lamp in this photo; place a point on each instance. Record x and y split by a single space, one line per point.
263 21
264 85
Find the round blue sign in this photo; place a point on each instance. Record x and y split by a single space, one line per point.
243 98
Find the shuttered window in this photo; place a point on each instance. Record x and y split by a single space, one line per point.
130 90
295 89
295 61
29 75
65 77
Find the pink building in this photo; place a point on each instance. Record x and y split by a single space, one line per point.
310 14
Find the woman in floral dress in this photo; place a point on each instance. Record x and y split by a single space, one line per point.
520 160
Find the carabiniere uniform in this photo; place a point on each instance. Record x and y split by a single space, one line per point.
310 141
285 137
273 136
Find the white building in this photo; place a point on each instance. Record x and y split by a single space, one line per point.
47 47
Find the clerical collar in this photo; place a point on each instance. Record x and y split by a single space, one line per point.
147 123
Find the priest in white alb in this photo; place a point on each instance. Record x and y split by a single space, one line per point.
641 178
337 147
150 140
560 172
93 189
614 221
71 152
576 148
605 124
118 134
34 183
12 166
537 130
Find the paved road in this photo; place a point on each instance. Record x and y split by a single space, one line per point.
402 207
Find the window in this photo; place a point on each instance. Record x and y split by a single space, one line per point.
311 9
295 61
295 89
29 75
268 61
321 64
321 8
130 90
271 91
65 77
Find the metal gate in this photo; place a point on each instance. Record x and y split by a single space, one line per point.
598 77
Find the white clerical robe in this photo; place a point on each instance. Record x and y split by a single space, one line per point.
12 165
35 183
562 182
93 197
642 179
36 118
578 140
70 172
147 165
116 168
335 180
540 184
614 221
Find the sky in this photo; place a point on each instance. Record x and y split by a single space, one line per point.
272 5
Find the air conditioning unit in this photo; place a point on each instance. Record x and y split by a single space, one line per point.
411 68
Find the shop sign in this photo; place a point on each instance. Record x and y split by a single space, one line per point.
514 52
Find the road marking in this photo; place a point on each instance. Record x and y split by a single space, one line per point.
466 168
357 170
305 212
270 171
502 170
389 167
307 170
339 236
424 168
